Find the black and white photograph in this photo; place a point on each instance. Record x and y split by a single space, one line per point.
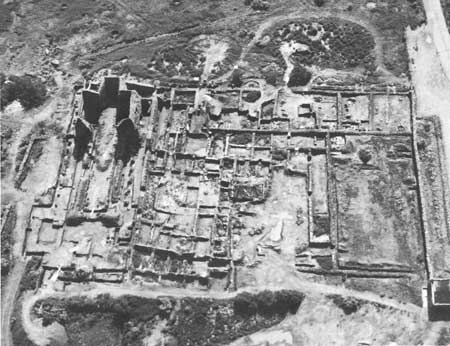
225 172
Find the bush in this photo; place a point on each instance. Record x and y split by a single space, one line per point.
252 96
31 277
267 302
260 5
348 304
29 91
244 304
236 77
300 76
364 155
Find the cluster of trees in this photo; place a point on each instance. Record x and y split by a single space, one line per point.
267 302
300 76
350 45
199 321
342 45
28 90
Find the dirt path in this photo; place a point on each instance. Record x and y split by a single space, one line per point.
438 35
430 83
439 32
8 296
292 280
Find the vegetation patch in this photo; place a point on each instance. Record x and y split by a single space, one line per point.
28 90
32 276
391 19
187 321
6 138
348 304
183 57
324 42
300 76
9 215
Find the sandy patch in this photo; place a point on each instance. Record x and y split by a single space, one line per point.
213 50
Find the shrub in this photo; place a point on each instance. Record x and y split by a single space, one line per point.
29 91
252 96
31 277
236 77
244 304
364 155
348 304
300 76
260 5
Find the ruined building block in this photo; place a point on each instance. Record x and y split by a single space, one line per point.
128 139
144 90
83 135
91 106
123 108
110 91
135 111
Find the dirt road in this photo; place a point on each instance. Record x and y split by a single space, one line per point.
439 32
440 37
9 295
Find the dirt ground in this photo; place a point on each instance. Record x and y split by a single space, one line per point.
319 321
431 84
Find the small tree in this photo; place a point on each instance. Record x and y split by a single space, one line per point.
364 155
300 76
236 77
319 2
29 91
